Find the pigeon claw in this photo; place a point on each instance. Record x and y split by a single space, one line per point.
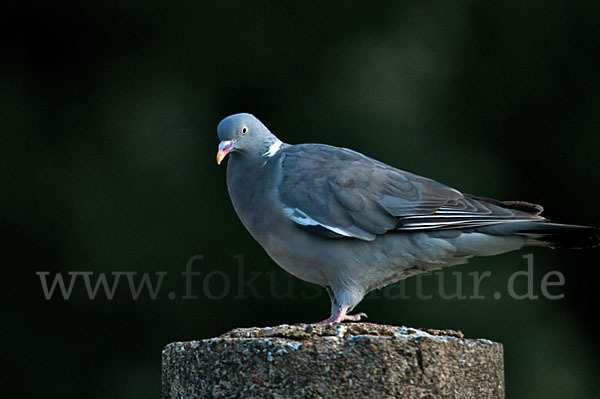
340 316
355 317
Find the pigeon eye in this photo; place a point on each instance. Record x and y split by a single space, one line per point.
244 130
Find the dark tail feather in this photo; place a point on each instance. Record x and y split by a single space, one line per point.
550 234
563 235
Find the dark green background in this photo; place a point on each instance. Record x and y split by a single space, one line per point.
108 115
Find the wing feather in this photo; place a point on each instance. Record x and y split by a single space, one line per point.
338 193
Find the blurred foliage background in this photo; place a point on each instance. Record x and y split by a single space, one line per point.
108 113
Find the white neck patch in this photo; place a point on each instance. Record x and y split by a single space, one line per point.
273 149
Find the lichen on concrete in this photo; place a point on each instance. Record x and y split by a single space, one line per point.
334 361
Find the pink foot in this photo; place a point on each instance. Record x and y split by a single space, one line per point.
340 316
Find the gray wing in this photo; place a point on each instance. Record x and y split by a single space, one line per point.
338 192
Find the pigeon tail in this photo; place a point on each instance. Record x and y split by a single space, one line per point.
548 234
556 235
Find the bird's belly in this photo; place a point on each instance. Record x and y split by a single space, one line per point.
360 264
349 262
291 251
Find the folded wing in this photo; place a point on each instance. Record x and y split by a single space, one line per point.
336 192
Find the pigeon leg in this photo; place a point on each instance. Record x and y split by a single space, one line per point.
340 316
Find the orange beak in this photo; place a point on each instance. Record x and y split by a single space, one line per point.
224 148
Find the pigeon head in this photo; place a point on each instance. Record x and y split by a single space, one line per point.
244 134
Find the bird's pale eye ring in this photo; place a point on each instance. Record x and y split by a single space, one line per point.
244 130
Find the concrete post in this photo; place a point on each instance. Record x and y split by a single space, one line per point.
353 360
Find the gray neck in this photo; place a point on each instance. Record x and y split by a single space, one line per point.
267 148
271 146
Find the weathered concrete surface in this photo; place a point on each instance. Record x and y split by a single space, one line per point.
352 360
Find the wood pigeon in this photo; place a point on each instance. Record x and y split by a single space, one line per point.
351 224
